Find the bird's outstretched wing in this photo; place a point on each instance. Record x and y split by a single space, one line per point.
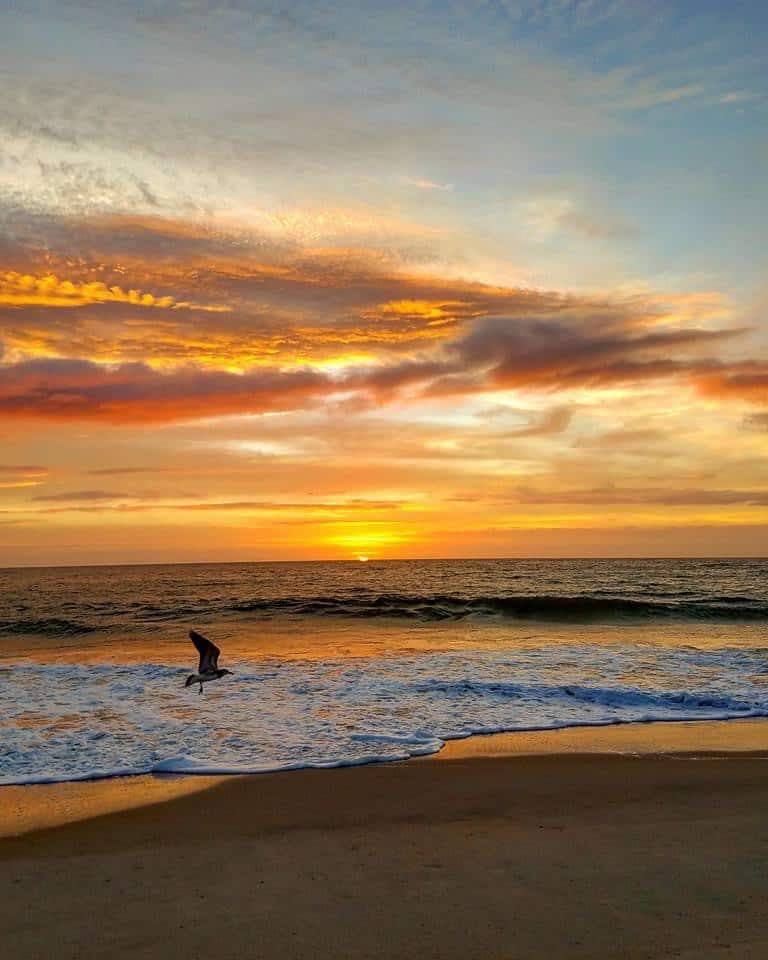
209 652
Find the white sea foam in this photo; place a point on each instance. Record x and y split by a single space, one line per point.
63 722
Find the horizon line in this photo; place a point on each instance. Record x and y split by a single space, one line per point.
368 561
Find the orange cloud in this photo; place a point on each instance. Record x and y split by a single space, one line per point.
21 475
745 380
24 290
57 389
494 355
102 501
610 495
430 310
294 327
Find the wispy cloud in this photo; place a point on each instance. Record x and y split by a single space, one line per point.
77 495
423 184
739 96
649 95
14 476
22 470
557 211
643 495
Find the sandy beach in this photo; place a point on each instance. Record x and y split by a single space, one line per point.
499 847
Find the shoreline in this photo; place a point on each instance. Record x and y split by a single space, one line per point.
581 856
31 807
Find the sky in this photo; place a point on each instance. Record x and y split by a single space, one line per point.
290 281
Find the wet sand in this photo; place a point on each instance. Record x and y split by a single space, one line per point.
555 845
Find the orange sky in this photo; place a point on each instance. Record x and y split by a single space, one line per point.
409 334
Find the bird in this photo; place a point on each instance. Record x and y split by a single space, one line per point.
208 667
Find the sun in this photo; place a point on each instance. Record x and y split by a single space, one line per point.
364 540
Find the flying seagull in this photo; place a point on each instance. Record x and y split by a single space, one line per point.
208 668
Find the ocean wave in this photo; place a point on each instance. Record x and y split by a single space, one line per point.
419 608
547 607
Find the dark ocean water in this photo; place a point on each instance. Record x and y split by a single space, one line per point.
345 663
70 601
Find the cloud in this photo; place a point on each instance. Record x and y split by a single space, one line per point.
595 347
758 421
646 439
610 495
285 304
121 471
550 213
295 327
355 504
22 470
554 355
59 389
104 502
282 302
23 290
738 96
82 495
21 475
552 422
649 95
423 184
741 380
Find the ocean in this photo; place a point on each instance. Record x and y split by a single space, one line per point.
346 663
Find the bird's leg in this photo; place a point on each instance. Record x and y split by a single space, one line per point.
200 690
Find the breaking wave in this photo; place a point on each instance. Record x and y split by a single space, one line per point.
551 608
63 721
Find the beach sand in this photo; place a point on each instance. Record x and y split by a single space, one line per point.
637 842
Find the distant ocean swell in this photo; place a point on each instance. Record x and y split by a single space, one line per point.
61 721
50 626
432 607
